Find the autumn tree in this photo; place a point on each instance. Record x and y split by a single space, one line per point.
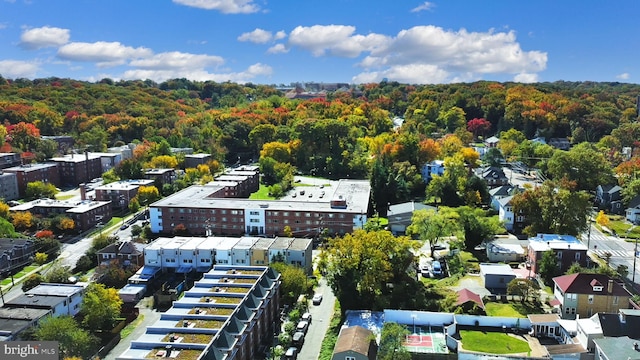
32 281
359 266
478 126
4 210
24 136
22 220
294 281
100 307
602 219
147 195
163 162
584 164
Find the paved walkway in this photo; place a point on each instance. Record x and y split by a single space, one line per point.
148 316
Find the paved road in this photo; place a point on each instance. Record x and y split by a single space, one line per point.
321 318
621 251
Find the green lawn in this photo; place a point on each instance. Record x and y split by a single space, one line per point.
621 227
64 197
262 194
493 342
502 309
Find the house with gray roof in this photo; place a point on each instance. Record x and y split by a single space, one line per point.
399 215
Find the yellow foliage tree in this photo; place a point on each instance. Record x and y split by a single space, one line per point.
4 210
22 220
163 161
66 224
602 219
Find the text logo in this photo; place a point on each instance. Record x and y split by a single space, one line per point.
29 350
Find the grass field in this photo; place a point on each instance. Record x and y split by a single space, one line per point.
502 309
493 342
262 194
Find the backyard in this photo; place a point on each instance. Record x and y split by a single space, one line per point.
493 342
512 309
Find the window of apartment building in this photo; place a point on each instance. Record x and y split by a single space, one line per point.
577 257
181 211
213 211
223 212
234 212
307 215
286 213
254 213
224 219
559 255
615 300
253 220
590 299
285 221
572 297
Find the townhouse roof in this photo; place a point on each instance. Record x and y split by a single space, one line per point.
71 206
22 313
123 247
496 269
300 244
354 338
505 200
263 244
543 318
58 290
36 301
581 283
503 190
635 202
125 184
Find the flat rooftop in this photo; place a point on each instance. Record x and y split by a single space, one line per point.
71 206
125 185
31 167
354 192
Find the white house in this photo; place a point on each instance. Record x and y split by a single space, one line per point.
62 299
241 252
505 212
633 211
504 252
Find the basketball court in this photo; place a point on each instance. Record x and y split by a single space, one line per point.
426 339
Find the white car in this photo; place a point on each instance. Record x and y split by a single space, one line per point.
317 299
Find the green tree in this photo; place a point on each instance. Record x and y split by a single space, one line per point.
294 281
40 190
584 164
548 267
58 274
110 176
477 226
432 226
100 307
521 287
73 340
493 157
392 338
7 230
553 208
358 267
32 281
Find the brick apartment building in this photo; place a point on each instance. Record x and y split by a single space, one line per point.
162 176
193 160
86 214
120 193
76 169
45 172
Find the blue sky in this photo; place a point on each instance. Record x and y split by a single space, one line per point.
352 41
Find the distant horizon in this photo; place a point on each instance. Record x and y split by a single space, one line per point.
283 42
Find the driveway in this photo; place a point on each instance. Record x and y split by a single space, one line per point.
472 283
321 317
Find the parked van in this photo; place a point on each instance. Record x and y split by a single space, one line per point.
436 268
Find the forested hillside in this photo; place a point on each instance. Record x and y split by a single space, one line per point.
348 134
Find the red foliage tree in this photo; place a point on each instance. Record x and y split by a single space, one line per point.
478 126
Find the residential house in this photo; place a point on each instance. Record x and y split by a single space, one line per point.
504 252
299 254
545 325
15 254
495 277
633 211
429 170
59 299
355 343
223 250
399 215
9 186
492 142
567 249
586 294
126 252
614 348
506 215
609 198
493 175
501 192
560 143
15 320
188 254
260 252
241 252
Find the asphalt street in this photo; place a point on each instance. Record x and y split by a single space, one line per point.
621 251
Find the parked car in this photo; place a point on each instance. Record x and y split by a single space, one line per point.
298 339
291 353
302 326
306 317
436 268
317 299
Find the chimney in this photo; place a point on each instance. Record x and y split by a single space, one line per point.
83 192
610 286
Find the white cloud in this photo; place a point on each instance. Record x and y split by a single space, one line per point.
526 78
280 35
105 54
411 73
278 49
425 6
200 74
177 60
335 39
623 76
14 69
224 6
257 36
44 37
